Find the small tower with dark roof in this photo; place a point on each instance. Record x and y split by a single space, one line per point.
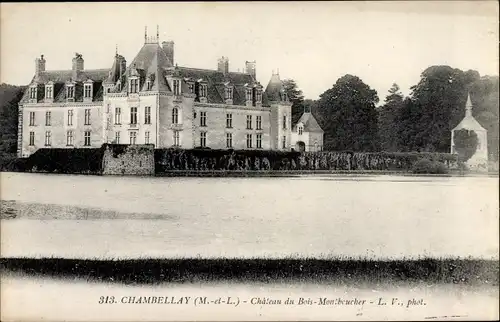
281 114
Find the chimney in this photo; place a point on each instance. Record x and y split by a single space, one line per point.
250 68
77 65
223 65
39 65
168 48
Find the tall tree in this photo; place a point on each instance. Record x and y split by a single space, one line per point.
440 97
485 100
9 98
387 119
348 115
296 97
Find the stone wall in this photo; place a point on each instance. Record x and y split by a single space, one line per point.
121 159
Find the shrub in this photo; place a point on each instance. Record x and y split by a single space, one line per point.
426 166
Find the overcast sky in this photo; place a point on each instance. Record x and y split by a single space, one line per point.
313 43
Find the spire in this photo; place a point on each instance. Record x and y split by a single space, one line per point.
468 106
116 50
157 33
145 34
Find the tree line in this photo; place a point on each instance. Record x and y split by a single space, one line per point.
421 122
351 119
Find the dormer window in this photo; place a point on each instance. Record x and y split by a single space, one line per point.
249 94
228 93
284 96
49 91
70 91
33 92
203 90
191 88
134 85
257 96
87 92
149 84
300 129
177 86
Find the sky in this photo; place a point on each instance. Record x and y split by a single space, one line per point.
313 43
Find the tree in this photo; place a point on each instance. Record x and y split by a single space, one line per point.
296 97
440 97
348 116
9 98
485 99
387 119
465 144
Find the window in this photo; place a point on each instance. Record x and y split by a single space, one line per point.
88 91
108 106
33 92
175 115
229 121
134 85
203 139
133 115
149 84
177 138
249 122
284 142
47 118
284 96
228 93
177 87
48 91
259 141
32 138
284 122
147 115
133 137
258 95
118 115
86 136
229 140
249 94
70 117
32 118
69 138
203 90
203 118
70 91
87 116
191 88
301 130
117 137
48 138
146 137
259 122
249 141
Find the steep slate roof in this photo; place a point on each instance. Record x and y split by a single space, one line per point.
274 88
469 122
60 77
310 123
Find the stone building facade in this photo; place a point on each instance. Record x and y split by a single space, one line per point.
154 101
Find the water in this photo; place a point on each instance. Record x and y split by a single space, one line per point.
368 216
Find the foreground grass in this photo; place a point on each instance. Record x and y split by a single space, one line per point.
189 270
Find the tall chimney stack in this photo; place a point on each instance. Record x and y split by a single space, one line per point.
223 65
39 65
77 65
250 68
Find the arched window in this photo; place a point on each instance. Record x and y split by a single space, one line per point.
175 116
